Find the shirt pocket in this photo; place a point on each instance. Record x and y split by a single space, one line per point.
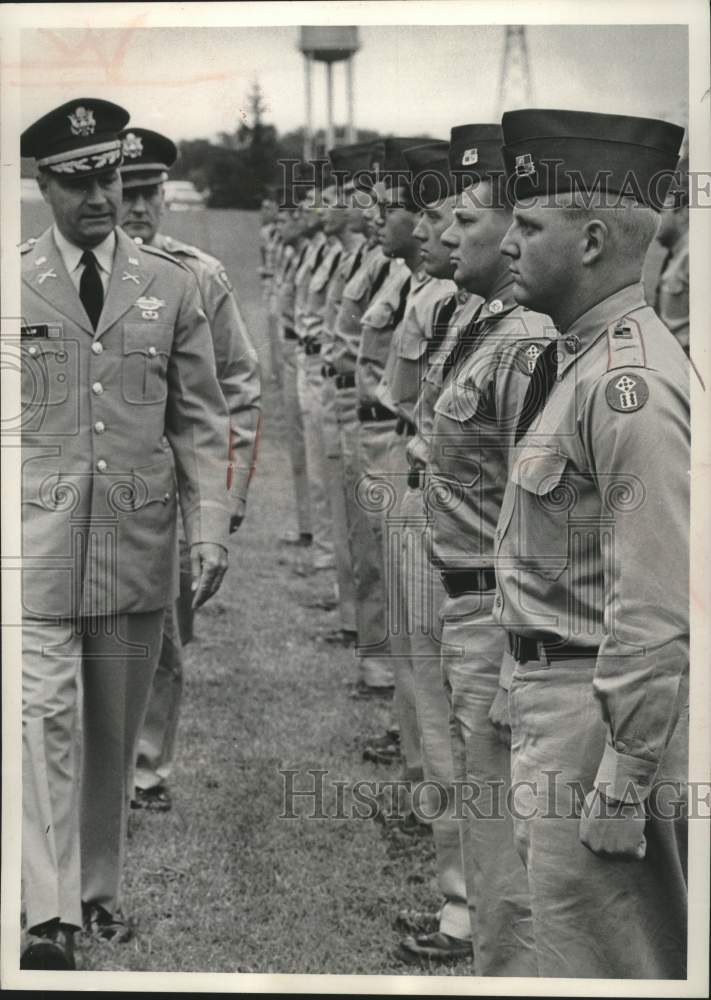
459 401
146 352
538 518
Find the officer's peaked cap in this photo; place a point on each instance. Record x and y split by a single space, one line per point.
77 139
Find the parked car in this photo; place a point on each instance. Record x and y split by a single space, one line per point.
29 190
183 196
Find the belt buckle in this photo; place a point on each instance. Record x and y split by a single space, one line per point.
543 654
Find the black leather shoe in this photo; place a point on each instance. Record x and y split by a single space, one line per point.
365 692
337 637
50 946
417 921
154 799
436 947
384 753
99 923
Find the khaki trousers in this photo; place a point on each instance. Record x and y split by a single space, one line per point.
497 886
74 841
156 745
335 485
309 382
423 592
594 917
294 427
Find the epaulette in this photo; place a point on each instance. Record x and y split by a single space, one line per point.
625 347
147 248
172 245
27 245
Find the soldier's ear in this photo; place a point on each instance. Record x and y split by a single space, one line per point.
43 184
596 238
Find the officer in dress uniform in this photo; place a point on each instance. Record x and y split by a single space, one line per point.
482 385
122 413
147 158
592 553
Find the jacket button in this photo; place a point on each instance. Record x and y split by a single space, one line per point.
152 351
97 388
101 465
99 427
166 497
32 350
97 348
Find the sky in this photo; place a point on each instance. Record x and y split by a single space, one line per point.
192 82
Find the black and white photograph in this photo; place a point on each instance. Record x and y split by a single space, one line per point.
355 542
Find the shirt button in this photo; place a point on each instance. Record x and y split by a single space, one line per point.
101 465
97 388
99 427
96 347
152 351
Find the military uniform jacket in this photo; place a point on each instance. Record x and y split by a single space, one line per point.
377 327
235 357
593 538
115 422
357 293
474 421
302 279
314 316
411 340
349 263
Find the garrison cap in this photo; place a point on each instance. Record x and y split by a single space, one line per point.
475 154
352 164
147 157
548 151
388 160
429 166
77 139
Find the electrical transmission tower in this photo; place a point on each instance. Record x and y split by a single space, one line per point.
515 81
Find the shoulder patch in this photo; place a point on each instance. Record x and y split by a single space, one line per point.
626 392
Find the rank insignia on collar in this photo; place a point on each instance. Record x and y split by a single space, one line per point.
525 166
132 260
495 306
470 157
627 392
531 354
82 121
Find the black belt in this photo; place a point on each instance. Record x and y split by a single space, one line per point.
327 371
346 381
290 334
468 581
311 348
416 479
404 426
374 413
524 648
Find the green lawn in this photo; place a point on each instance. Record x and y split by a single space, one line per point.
221 884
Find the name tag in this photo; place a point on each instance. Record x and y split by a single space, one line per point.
37 330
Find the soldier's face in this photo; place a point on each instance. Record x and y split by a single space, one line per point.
433 222
84 208
543 249
397 223
141 211
473 240
334 212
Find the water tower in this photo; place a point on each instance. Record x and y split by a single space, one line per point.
328 45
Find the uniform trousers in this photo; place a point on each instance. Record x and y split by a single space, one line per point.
423 592
497 885
276 360
309 382
337 497
294 428
74 827
594 917
366 558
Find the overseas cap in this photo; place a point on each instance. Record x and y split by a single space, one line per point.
475 154
352 164
615 153
388 160
147 157
429 165
77 139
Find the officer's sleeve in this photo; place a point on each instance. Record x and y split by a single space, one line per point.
197 424
238 373
641 461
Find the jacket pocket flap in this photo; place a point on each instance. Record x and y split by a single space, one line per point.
147 338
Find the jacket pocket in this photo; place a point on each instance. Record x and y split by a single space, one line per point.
46 365
146 352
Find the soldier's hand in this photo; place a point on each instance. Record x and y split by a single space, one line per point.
208 562
235 521
613 829
499 716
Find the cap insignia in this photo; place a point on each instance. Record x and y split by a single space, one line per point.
132 145
525 166
470 157
82 122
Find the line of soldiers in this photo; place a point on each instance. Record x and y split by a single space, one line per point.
489 437
140 398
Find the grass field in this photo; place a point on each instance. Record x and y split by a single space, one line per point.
221 883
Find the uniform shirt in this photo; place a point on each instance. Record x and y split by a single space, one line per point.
348 265
286 282
404 367
314 315
377 327
592 541
486 376
235 357
71 255
302 279
357 293
672 295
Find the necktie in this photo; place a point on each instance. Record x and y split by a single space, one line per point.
539 387
400 311
467 340
91 291
356 264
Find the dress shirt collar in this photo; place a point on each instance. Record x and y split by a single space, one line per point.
71 254
588 328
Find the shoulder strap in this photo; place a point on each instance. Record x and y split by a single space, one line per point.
625 347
